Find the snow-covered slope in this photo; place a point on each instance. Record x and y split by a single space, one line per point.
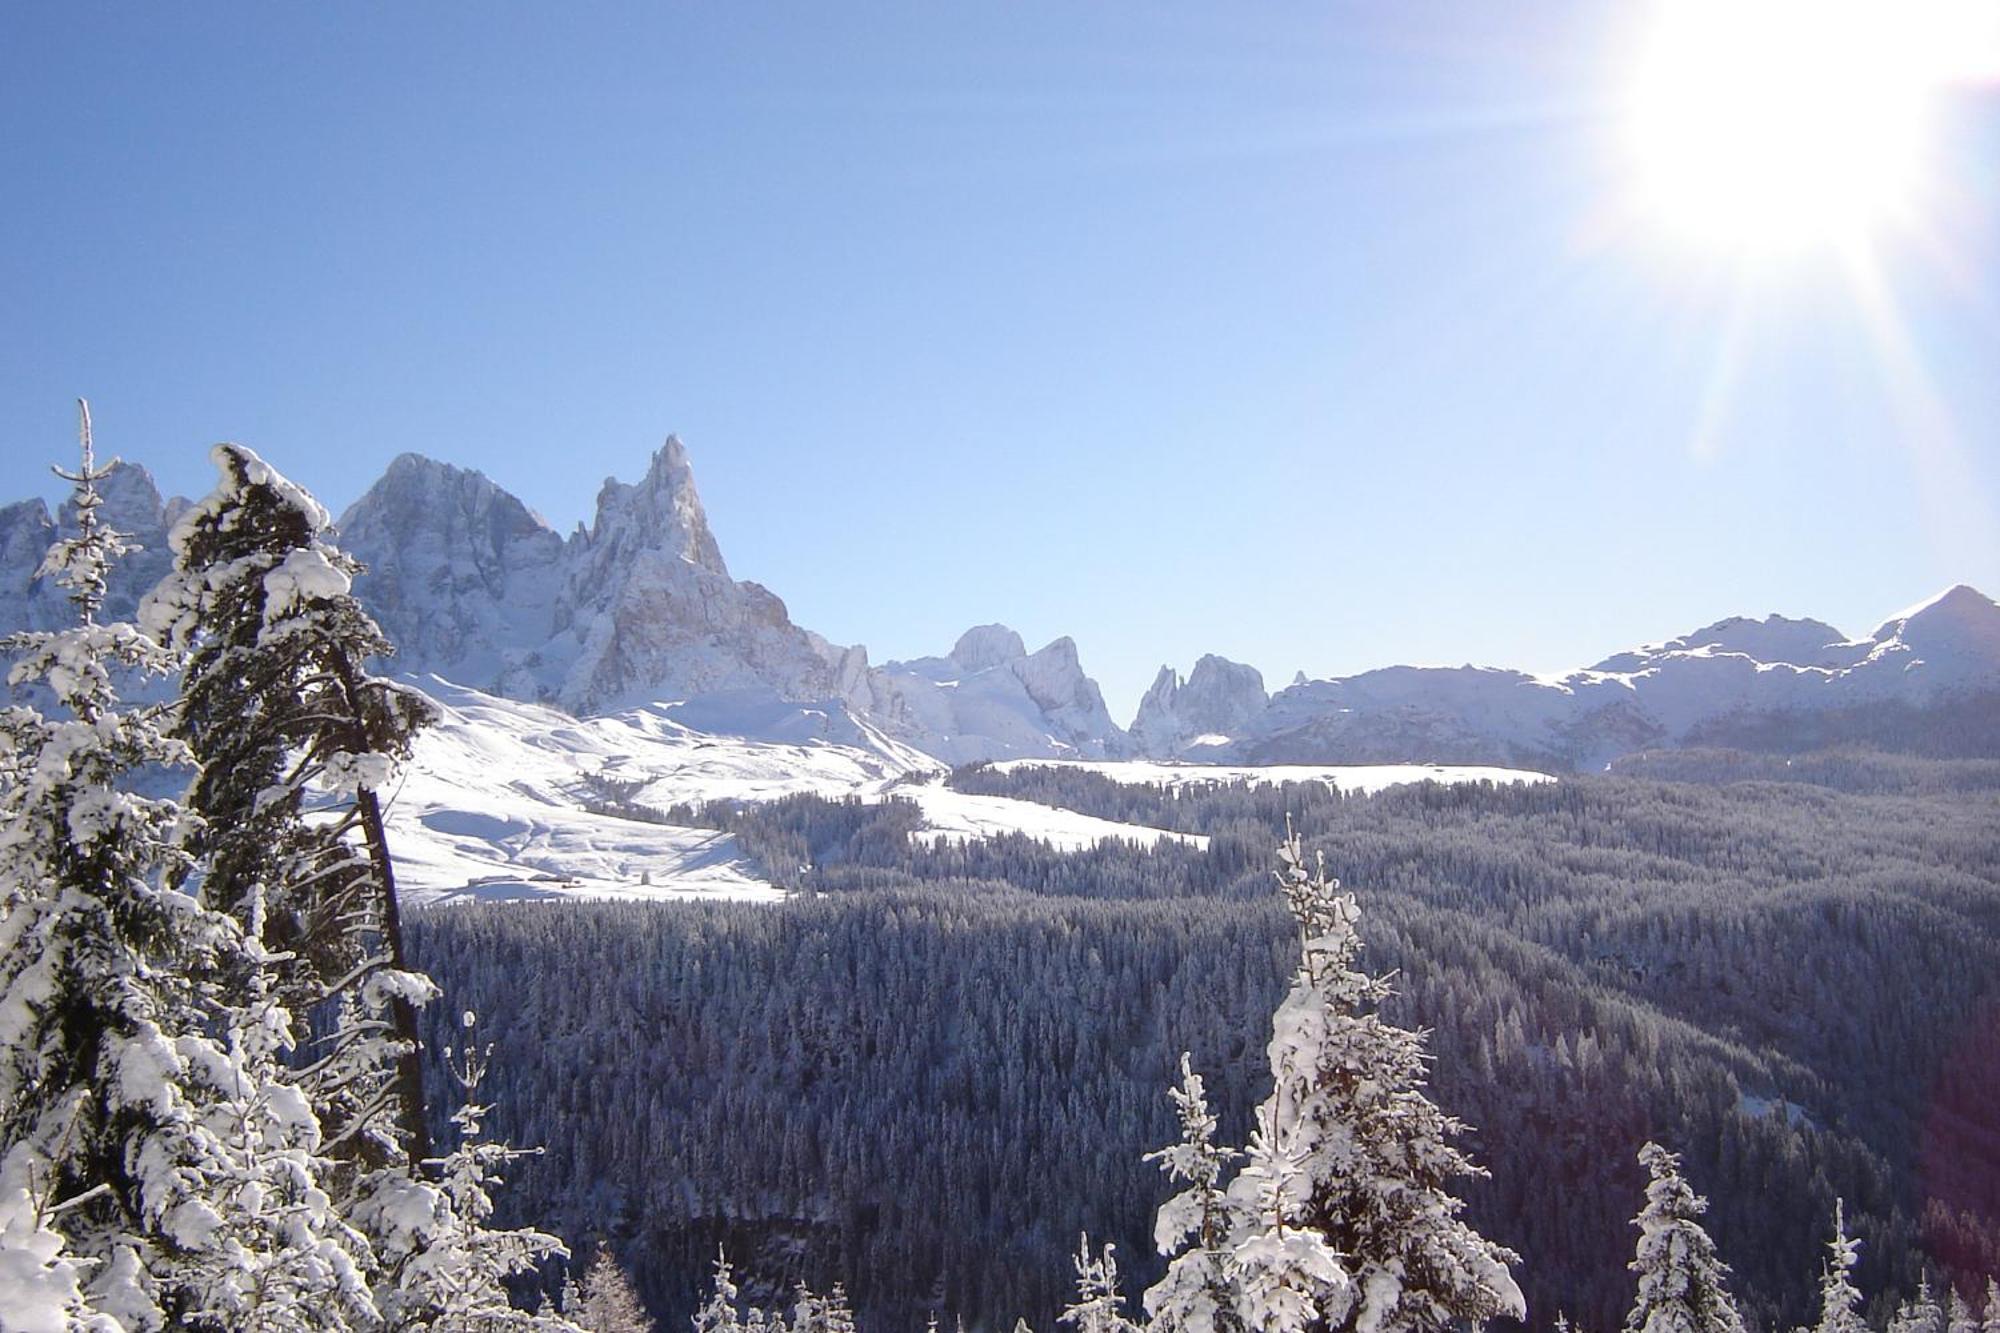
1360 779
1660 694
506 800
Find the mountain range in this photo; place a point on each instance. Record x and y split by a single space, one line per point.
639 609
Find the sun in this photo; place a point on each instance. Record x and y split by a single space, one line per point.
1781 125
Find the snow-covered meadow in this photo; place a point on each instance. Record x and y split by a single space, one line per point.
507 801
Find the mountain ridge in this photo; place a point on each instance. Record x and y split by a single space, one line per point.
638 608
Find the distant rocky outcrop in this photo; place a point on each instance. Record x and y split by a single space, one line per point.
132 507
1215 703
1760 681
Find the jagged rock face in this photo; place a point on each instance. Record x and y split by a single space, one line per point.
648 610
1217 702
992 699
132 506
640 609
26 601
461 576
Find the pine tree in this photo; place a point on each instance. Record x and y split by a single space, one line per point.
605 1302
1372 1151
1680 1279
1098 1308
139 1102
276 702
1990 1318
1839 1299
1196 1229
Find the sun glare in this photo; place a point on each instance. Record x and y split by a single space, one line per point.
1787 124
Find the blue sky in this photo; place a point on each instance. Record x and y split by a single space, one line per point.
1314 335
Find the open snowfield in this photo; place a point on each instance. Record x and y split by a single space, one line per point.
1360 778
506 801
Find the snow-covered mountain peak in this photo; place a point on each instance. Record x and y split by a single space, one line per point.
660 514
1961 606
1956 635
459 573
986 646
1774 638
132 503
1218 699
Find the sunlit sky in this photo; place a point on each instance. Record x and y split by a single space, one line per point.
1322 336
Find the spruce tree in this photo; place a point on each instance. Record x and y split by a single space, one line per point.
1990 1311
1098 1307
1960 1318
1372 1151
449 1269
1284 1275
1196 1229
139 1100
41 1287
1919 1314
1680 1279
276 705
720 1313
605 1301
1839 1299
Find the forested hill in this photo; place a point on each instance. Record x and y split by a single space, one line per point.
926 1076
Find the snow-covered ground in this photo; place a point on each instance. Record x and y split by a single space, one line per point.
504 801
1359 778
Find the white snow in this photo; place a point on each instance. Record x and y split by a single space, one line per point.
955 816
507 801
1358 778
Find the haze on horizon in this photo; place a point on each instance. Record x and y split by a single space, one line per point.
1351 337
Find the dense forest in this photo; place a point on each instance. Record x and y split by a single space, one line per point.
939 1062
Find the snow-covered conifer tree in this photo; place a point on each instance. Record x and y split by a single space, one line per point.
720 1313
40 1282
1990 1316
1098 1308
605 1301
275 700
1680 1279
1839 1299
1959 1317
1198 1228
447 1270
1373 1152
1921 1313
139 1104
1286 1278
